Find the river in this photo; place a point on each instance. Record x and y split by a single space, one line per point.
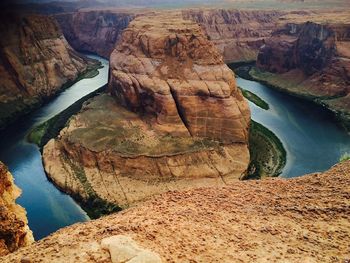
312 139
48 209
311 136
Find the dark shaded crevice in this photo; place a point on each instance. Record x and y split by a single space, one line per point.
179 111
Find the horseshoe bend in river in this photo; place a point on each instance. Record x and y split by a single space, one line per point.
313 141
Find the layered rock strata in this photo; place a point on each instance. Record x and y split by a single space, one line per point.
14 231
35 62
237 34
272 220
174 119
312 60
94 31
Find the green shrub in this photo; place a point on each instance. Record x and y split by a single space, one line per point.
345 157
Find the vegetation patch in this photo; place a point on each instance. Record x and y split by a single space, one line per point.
255 99
42 133
109 126
345 157
267 153
94 206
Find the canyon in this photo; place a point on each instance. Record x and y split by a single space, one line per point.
243 36
168 140
36 62
94 31
14 231
310 60
270 220
173 119
238 35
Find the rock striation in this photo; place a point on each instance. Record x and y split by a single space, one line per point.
173 119
35 63
14 231
238 34
272 220
312 60
168 70
94 31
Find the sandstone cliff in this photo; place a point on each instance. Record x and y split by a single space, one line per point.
312 60
174 119
238 34
35 62
303 219
94 31
14 231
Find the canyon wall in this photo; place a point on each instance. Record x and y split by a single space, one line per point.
272 220
238 34
14 231
35 62
173 119
311 60
94 31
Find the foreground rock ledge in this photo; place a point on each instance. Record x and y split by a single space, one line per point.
174 119
14 231
304 219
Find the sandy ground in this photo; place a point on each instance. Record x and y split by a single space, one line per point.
305 219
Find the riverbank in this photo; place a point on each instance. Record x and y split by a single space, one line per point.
291 86
267 153
49 129
22 107
94 206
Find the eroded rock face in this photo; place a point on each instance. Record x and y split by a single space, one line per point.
308 46
14 231
173 119
94 31
296 220
314 57
166 69
237 34
35 62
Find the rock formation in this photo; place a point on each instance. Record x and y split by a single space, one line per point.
272 220
35 62
312 60
237 34
94 31
14 231
174 119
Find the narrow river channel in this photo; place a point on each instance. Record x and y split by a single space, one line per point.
312 138
48 209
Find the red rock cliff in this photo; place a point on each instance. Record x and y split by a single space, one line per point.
94 31
174 119
169 70
35 62
315 58
237 34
